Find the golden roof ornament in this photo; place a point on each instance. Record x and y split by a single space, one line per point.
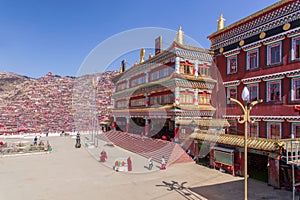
262 35
242 42
286 26
142 55
221 22
221 50
180 34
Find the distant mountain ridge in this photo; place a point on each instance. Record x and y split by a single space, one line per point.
51 103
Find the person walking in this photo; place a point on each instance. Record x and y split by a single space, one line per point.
150 163
163 163
35 140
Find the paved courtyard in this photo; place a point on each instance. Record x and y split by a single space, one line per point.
75 174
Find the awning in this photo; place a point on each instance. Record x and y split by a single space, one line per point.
238 141
204 122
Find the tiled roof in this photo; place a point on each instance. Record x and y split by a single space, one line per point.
238 141
249 18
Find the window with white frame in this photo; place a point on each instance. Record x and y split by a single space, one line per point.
274 53
295 130
253 91
295 48
252 59
274 130
254 129
274 91
231 93
232 64
295 89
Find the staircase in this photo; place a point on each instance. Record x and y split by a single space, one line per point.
147 147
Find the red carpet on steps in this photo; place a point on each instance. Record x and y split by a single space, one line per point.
147 147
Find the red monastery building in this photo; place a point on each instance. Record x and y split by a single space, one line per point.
168 95
261 52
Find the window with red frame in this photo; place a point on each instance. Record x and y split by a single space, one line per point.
274 91
253 90
274 130
231 93
252 59
232 127
295 48
254 129
232 65
274 53
295 89
296 130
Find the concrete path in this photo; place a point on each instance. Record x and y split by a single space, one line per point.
76 174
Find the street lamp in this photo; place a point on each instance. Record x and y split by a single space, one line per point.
245 119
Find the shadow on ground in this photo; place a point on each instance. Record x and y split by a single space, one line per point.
235 190
180 188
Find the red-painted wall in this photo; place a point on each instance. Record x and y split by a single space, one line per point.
284 108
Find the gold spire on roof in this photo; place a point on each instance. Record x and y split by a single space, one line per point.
180 34
142 55
221 21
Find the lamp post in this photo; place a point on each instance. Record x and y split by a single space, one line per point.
245 119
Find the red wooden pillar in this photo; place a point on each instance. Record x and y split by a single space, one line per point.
146 126
176 133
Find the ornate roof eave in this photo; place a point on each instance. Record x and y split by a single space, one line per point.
249 18
267 77
232 83
266 117
232 52
195 78
170 109
174 49
192 48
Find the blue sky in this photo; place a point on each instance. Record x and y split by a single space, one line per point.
40 36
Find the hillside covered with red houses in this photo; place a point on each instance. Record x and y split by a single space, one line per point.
53 103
